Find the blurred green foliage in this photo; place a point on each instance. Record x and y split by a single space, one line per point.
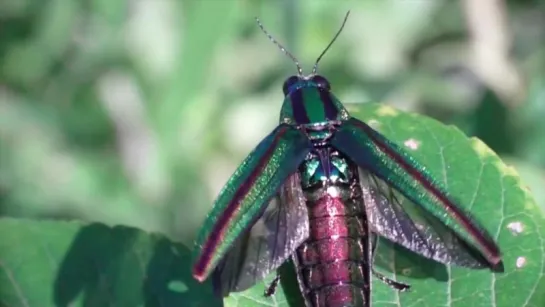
136 112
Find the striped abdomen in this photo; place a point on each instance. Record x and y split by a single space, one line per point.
333 264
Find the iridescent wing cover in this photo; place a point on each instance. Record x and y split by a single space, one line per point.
268 244
392 216
245 196
372 151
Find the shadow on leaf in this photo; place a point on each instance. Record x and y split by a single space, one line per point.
408 263
123 266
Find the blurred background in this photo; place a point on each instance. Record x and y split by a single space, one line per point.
136 112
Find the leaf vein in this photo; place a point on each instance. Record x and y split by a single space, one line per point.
16 286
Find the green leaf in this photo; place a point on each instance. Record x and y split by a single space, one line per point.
533 176
486 187
48 263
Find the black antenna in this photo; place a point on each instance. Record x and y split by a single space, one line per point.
331 43
286 52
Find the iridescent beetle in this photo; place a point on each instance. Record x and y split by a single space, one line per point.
320 189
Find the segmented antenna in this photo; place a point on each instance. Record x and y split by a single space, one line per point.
331 43
286 52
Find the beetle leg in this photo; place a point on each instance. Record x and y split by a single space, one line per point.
392 283
271 289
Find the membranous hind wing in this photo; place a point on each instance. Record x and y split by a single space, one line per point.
392 163
247 193
269 243
399 220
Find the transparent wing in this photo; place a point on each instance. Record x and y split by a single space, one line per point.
268 244
399 220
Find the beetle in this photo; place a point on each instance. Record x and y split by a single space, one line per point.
320 189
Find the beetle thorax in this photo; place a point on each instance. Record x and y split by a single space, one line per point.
310 103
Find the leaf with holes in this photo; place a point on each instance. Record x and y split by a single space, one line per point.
486 187
47 263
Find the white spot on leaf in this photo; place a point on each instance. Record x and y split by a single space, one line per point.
521 262
515 227
412 144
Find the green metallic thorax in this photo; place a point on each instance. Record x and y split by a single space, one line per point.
311 106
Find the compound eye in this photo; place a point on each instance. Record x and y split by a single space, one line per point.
322 82
289 83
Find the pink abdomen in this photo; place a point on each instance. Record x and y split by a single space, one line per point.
332 265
